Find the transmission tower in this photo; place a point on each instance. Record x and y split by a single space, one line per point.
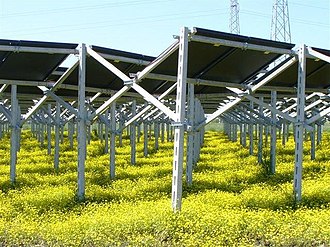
234 17
280 30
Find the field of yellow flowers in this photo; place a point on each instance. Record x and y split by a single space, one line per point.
232 202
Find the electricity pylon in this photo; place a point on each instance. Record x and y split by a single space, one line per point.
280 29
234 17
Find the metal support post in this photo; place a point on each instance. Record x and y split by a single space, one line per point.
241 134
49 130
106 137
251 133
156 133
133 135
88 133
150 131
19 129
319 133
266 134
42 134
14 133
299 125
235 133
168 131
145 134
244 134
121 120
162 133
179 118
312 133
100 131
273 135
71 131
82 116
57 137
260 138
113 140
190 139
138 132
61 133
171 133
284 133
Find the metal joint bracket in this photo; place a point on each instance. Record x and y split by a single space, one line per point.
310 130
88 122
245 46
249 89
46 92
178 124
17 49
16 127
242 94
190 128
299 123
129 82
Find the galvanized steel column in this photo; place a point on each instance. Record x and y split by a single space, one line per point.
180 116
299 125
319 133
49 130
106 132
162 133
82 117
14 133
273 135
156 134
112 140
133 135
57 136
251 132
145 135
260 132
190 139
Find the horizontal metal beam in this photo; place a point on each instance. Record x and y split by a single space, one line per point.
195 81
124 59
241 45
26 83
27 49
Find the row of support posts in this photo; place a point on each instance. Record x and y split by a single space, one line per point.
299 129
182 122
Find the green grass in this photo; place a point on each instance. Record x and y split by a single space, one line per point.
232 202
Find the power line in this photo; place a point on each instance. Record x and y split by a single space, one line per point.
85 8
293 20
108 23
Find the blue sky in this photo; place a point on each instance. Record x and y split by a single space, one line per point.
147 26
